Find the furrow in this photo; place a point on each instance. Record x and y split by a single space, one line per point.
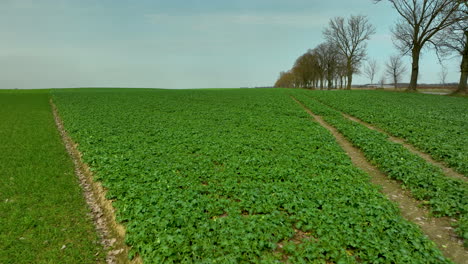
103 213
438 230
449 172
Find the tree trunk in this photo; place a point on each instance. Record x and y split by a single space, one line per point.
329 79
350 79
464 68
414 69
349 68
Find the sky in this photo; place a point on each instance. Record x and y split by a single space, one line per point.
179 43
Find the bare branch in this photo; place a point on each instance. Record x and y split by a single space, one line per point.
395 69
350 39
420 22
370 70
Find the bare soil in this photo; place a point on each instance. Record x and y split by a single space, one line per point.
438 230
112 233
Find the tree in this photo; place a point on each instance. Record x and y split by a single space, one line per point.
395 68
370 69
454 39
382 81
286 80
320 53
303 69
443 75
327 55
350 38
420 21
341 69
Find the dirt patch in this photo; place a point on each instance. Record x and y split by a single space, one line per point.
112 233
298 238
438 230
446 170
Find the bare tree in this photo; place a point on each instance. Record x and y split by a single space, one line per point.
286 80
454 39
327 56
341 69
320 53
350 38
382 81
420 21
370 69
303 69
395 68
443 75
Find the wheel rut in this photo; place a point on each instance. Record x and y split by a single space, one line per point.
446 170
103 213
438 230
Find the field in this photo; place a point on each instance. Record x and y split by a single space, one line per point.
246 175
435 124
43 215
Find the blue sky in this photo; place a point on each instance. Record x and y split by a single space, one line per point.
175 43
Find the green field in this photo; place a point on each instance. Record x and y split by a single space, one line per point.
43 215
239 175
445 196
227 175
435 124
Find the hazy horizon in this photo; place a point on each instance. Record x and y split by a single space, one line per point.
178 44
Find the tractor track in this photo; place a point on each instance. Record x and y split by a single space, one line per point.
439 229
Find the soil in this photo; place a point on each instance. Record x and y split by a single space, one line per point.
438 230
112 233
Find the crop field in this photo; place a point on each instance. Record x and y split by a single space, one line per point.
246 175
445 196
435 124
43 215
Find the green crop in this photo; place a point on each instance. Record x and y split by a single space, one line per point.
233 176
435 124
445 196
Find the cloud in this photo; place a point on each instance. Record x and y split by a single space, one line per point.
245 19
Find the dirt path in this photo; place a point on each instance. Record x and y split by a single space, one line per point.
112 234
438 230
446 170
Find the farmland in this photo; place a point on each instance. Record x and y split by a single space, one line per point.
241 175
435 124
43 215
445 196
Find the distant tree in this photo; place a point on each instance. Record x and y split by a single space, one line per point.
327 56
370 69
341 70
286 80
395 69
382 81
304 69
443 75
454 39
420 21
350 38
320 53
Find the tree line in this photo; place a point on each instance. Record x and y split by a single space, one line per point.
438 24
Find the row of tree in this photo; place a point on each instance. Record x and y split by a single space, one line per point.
442 24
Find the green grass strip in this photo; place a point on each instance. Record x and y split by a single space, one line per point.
445 196
43 215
